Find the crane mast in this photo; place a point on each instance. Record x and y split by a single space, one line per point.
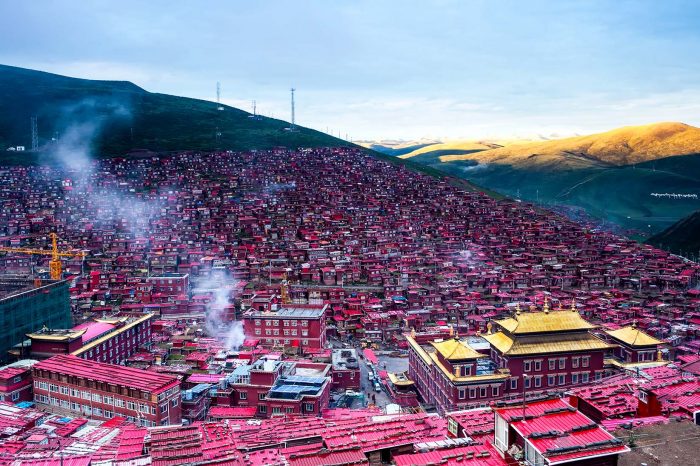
55 265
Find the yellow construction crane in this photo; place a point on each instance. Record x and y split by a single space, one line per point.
55 266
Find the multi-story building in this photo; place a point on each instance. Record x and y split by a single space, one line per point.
537 351
636 349
109 340
26 307
66 383
547 350
170 284
16 381
346 369
278 387
290 325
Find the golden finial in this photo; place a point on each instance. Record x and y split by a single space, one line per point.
456 335
659 356
573 305
634 323
413 332
489 327
452 330
517 308
545 308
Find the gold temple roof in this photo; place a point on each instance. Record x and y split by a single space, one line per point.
545 344
456 350
542 322
60 335
633 336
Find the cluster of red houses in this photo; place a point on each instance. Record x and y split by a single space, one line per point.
213 284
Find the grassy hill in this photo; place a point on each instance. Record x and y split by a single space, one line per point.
682 237
622 146
122 116
592 179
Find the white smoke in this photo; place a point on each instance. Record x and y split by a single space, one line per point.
221 291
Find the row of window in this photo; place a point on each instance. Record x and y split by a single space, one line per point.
481 391
530 365
304 333
276 323
306 407
98 398
286 341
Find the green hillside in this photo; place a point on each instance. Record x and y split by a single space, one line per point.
123 117
682 237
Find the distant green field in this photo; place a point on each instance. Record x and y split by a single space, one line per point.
622 195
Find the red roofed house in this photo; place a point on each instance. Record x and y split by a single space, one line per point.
73 385
552 432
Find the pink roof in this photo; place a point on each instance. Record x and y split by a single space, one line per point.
108 373
561 433
94 329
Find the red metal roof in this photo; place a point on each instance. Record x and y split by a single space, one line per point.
108 373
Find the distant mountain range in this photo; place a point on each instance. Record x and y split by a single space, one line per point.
118 116
640 177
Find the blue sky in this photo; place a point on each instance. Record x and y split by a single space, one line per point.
386 69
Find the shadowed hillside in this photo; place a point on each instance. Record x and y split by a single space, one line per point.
122 116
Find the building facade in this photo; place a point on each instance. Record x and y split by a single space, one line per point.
25 308
290 325
110 340
73 385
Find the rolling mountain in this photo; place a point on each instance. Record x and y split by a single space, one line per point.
623 146
635 177
119 116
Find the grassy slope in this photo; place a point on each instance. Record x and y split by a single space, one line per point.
131 117
618 194
622 146
681 237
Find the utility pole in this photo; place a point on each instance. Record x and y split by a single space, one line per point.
292 128
525 376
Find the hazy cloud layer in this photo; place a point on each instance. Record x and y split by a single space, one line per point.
387 69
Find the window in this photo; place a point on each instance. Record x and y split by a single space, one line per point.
15 396
257 331
494 391
243 396
575 362
286 332
174 402
462 394
268 323
276 410
276 332
17 379
482 392
562 379
304 323
551 379
527 366
562 363
304 333
309 407
472 393
513 383
538 365
261 396
527 382
262 409
585 376
275 323
289 409
552 364
286 323
586 360
294 323
257 322
574 377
